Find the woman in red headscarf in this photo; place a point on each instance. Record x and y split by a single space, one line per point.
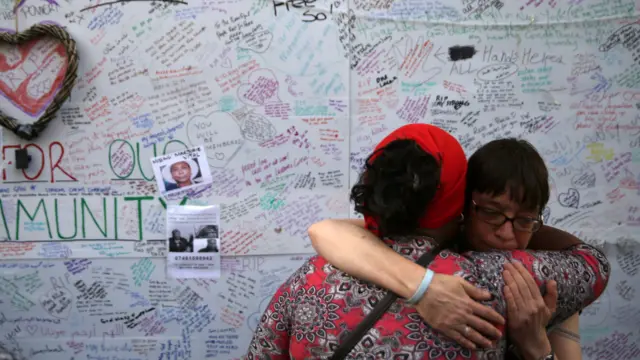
410 193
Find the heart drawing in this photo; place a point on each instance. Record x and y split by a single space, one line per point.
31 329
260 89
38 69
570 199
219 133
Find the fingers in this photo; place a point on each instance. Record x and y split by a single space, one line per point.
511 288
512 304
526 276
551 297
487 331
483 311
474 292
460 339
475 337
449 325
517 283
520 280
487 313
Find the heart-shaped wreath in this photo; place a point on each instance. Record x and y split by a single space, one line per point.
39 31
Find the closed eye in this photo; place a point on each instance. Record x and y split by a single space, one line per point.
527 219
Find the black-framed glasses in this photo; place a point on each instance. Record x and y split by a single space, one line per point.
497 218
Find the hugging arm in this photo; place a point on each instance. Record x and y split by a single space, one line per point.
529 312
550 238
347 245
450 300
565 339
356 251
581 274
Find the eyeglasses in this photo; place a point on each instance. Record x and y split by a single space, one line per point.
497 218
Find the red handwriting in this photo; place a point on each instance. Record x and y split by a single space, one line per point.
53 161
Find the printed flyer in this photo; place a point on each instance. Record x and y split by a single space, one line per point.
193 240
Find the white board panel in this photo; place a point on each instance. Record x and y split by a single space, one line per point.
288 102
92 308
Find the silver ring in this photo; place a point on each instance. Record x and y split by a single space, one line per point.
466 330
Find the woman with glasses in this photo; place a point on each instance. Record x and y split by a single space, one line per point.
506 192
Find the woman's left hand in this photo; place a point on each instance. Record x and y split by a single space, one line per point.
528 313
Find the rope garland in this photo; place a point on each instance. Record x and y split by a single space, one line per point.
31 131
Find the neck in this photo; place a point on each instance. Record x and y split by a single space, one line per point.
439 235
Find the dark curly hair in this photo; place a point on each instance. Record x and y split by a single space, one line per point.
396 186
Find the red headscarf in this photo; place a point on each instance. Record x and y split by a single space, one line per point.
449 199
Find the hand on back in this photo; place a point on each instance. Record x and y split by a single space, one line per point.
451 306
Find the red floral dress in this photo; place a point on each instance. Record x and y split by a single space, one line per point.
319 304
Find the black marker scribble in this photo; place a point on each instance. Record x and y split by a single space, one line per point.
126 1
569 199
627 36
461 52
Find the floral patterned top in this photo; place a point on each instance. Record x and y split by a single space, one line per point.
319 304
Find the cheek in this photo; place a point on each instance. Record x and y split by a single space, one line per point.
523 240
482 237
482 231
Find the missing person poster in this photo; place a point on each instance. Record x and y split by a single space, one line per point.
193 239
182 173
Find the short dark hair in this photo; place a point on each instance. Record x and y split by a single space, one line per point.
509 165
396 186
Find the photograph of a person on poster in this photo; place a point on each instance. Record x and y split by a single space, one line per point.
180 174
177 243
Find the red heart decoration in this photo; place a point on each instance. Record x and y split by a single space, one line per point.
27 71
38 75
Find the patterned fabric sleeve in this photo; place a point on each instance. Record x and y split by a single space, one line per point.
271 338
581 272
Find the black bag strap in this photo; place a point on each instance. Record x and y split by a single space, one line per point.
354 337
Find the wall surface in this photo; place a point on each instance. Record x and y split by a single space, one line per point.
287 98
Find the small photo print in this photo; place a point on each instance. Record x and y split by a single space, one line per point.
207 231
181 173
210 245
181 239
181 170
